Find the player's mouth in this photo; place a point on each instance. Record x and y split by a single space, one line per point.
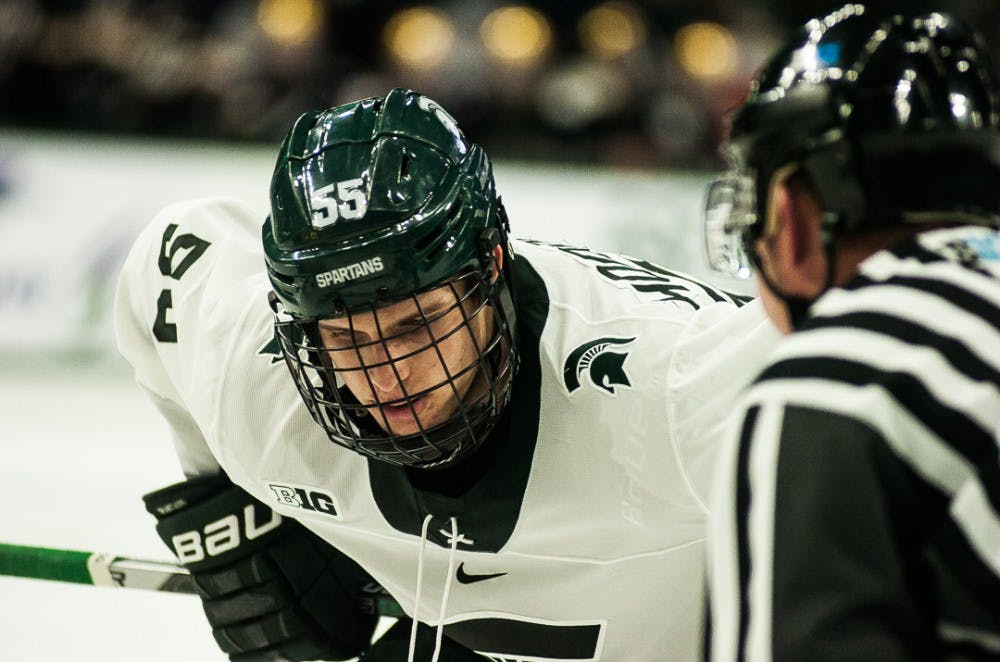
404 413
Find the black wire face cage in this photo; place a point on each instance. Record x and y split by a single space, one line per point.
419 382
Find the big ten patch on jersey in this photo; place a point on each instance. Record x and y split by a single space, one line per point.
303 500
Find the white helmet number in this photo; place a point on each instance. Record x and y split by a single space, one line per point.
345 200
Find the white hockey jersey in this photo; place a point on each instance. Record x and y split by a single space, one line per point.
582 540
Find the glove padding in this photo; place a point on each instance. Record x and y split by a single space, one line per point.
272 589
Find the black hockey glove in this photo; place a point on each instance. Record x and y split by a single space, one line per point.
272 590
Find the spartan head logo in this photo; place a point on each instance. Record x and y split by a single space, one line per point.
601 361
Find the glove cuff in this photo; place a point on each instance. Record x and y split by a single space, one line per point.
174 498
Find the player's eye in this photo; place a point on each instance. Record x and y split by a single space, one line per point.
408 330
338 338
412 324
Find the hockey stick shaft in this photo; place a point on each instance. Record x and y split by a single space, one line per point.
97 569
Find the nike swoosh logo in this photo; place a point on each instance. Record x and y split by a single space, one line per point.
465 578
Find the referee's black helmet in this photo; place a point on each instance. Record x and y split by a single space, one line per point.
894 120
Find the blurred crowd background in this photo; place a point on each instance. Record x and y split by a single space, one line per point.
612 82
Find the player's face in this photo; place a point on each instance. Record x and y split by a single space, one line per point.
412 364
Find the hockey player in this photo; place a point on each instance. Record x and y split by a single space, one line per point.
856 510
521 432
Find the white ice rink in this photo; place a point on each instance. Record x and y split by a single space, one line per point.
80 446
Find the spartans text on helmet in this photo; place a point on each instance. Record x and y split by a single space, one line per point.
350 272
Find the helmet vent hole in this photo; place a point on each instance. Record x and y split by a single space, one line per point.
427 240
434 236
282 278
455 210
404 167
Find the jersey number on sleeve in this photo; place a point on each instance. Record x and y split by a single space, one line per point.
163 330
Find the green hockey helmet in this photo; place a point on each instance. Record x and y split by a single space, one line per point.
374 203
894 120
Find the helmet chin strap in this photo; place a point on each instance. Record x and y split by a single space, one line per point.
797 306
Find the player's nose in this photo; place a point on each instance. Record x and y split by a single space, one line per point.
386 374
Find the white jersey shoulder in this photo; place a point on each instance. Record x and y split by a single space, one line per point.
681 348
192 317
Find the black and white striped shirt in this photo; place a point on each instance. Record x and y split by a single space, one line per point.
857 506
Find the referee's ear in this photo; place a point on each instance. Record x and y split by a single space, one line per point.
795 248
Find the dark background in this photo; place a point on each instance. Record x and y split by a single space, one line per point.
242 70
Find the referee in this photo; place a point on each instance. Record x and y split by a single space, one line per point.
856 506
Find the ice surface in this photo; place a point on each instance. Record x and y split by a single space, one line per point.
80 446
